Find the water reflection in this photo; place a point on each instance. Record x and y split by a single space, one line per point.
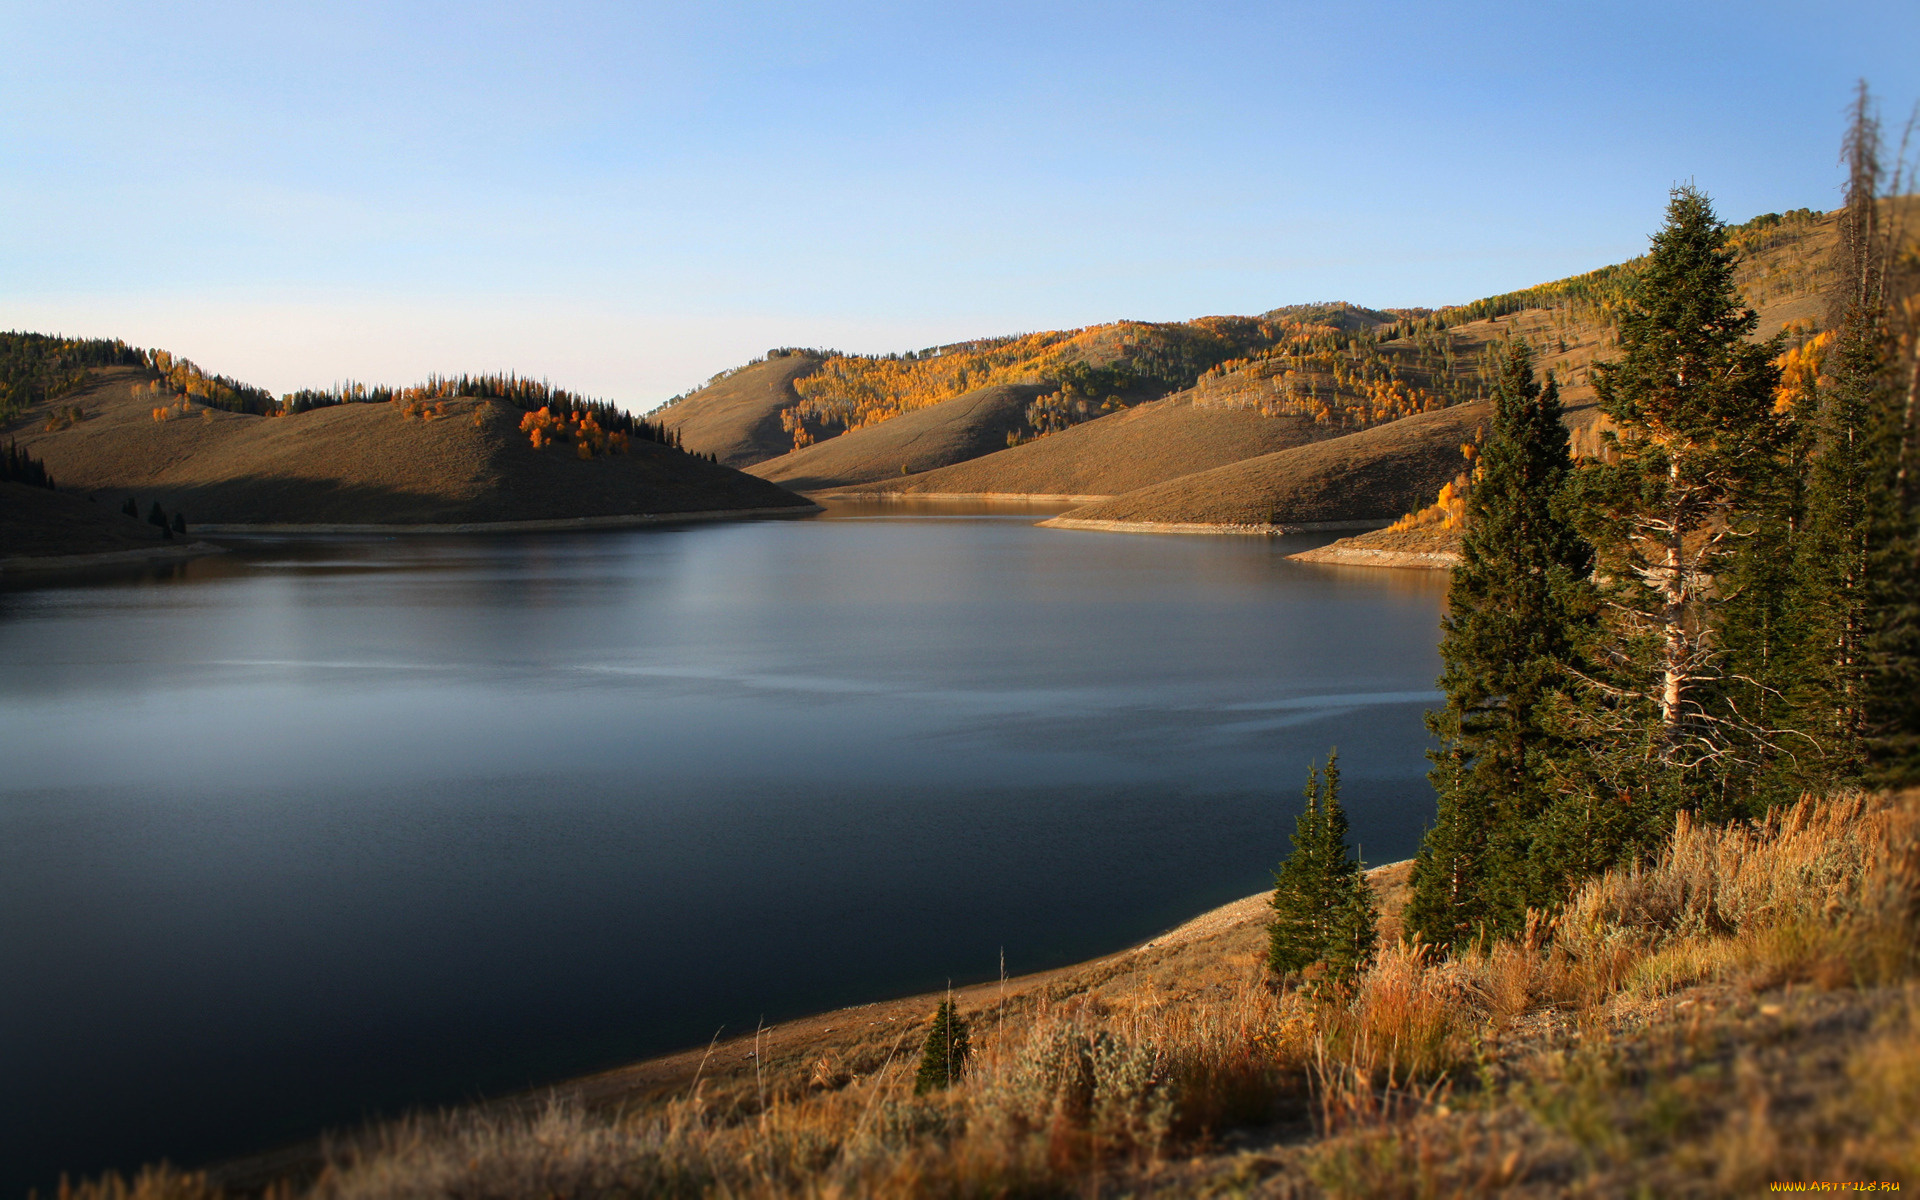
318 829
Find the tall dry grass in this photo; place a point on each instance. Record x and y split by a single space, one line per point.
1824 889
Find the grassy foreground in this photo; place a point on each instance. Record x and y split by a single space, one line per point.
1741 1012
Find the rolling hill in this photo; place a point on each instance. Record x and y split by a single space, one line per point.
951 431
36 523
1291 377
461 461
1368 477
736 418
1117 453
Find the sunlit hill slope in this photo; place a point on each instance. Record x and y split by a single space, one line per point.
226 455
1115 409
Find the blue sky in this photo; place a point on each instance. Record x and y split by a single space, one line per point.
626 198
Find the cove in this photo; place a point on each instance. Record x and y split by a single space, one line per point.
323 829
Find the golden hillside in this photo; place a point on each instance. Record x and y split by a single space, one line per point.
1248 386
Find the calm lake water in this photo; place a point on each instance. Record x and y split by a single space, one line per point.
323 829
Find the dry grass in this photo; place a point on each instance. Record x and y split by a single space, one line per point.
357 463
1739 1010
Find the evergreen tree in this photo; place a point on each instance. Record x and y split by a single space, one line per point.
18 466
1692 399
1864 580
1518 608
944 1057
1323 910
1294 935
1766 638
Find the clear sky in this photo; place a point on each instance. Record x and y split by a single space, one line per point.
628 197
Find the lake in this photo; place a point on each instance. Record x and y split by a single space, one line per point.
322 829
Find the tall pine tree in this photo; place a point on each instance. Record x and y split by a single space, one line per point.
1692 401
1517 611
1861 563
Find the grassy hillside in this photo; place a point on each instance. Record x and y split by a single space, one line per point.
36 522
1374 475
1144 445
1073 375
1247 386
454 460
1426 364
737 417
951 431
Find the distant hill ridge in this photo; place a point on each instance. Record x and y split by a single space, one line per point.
426 456
1128 405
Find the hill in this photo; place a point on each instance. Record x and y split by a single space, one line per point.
457 460
1132 449
736 417
951 431
1368 477
37 525
1246 386
1073 375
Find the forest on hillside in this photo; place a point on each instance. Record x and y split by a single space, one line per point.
37 367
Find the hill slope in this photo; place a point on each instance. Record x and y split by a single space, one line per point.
37 522
737 418
1116 453
1374 475
921 440
465 462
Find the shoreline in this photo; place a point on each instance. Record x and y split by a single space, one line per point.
1212 528
736 1061
1359 556
108 558
988 497
630 520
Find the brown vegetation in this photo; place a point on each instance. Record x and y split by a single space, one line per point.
1140 446
964 427
36 522
736 417
1315 373
1374 475
395 463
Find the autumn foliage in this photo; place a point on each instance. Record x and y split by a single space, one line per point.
544 427
1090 372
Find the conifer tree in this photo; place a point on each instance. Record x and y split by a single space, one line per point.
1766 635
1518 609
1323 910
944 1057
1294 936
1692 401
1862 579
